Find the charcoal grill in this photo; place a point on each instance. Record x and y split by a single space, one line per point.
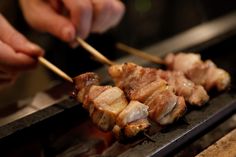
64 129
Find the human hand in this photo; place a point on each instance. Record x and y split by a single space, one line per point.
16 53
84 16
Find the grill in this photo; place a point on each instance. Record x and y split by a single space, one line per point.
64 129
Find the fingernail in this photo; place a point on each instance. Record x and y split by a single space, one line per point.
68 34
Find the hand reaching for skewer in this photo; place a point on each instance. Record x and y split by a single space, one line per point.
66 19
17 54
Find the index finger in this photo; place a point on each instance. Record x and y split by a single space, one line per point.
16 40
13 61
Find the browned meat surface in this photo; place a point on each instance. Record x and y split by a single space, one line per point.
176 113
131 129
134 111
146 86
204 73
131 77
192 93
94 92
107 105
161 103
83 84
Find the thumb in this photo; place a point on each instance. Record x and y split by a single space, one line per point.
42 17
16 40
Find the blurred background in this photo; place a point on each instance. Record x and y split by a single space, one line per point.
145 22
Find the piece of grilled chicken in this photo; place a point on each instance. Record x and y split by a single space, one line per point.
145 85
192 93
204 73
108 107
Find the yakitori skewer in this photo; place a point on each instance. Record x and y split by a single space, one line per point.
194 94
86 46
205 73
55 69
114 68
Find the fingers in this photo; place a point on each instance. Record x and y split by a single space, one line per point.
16 40
11 61
85 16
16 53
41 16
81 13
94 15
107 13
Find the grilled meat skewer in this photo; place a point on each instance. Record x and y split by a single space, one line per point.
146 86
192 93
204 73
108 107
139 82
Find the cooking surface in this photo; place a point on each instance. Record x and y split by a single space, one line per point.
197 120
64 129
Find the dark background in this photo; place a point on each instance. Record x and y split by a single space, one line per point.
145 22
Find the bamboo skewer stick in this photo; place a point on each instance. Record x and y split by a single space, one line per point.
55 69
139 53
94 52
86 46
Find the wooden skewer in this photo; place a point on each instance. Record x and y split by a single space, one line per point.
139 53
55 69
94 52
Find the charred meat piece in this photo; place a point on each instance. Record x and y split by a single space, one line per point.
82 84
192 93
107 105
146 86
204 73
